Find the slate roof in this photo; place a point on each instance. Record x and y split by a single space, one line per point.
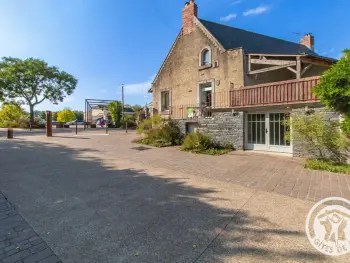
231 37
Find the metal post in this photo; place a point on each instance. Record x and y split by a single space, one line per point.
76 127
126 125
9 133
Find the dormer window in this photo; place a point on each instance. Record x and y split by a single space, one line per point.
205 57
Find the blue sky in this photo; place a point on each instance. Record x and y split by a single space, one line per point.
106 43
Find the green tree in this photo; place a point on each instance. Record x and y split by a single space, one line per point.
79 115
334 87
54 116
34 81
12 116
65 115
115 109
318 135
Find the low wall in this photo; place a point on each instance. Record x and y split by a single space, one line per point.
223 127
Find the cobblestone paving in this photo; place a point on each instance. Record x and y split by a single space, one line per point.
19 243
273 173
267 172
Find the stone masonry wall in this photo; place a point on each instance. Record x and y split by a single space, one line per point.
223 127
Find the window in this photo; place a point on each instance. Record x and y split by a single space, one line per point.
165 98
205 57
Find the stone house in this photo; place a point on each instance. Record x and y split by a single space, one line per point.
235 85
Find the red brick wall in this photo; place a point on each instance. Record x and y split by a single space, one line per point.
309 41
188 13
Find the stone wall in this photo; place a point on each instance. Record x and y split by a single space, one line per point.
299 147
223 127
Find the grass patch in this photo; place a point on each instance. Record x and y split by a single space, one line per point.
327 166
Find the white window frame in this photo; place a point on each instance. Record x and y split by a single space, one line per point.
201 61
161 105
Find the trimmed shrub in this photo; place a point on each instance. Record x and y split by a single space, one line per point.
159 132
197 142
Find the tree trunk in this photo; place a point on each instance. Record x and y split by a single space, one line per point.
31 114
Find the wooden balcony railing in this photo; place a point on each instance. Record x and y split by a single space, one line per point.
283 92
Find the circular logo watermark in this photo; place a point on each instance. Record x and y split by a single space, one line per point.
328 226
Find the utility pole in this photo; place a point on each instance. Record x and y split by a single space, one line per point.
125 122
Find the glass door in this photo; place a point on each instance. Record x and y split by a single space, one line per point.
256 132
277 131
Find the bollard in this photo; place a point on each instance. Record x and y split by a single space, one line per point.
48 123
9 133
76 127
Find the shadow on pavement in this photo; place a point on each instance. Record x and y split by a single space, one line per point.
90 211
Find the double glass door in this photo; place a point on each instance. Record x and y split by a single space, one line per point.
267 132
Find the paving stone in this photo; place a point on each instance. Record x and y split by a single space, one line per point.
19 242
51 259
16 257
38 248
38 256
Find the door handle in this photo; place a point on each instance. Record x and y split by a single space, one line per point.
266 130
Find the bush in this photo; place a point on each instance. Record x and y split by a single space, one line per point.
131 123
197 142
327 166
159 132
13 116
145 126
320 136
345 126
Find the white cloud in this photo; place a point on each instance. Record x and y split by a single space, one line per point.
236 2
138 88
228 17
103 91
257 11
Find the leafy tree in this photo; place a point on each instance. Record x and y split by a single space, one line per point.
319 135
115 109
54 116
334 87
34 81
40 114
79 115
65 115
12 116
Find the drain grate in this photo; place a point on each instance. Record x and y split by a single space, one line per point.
141 148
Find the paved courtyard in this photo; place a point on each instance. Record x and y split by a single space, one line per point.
103 198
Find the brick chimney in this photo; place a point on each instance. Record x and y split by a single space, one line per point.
188 13
309 41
